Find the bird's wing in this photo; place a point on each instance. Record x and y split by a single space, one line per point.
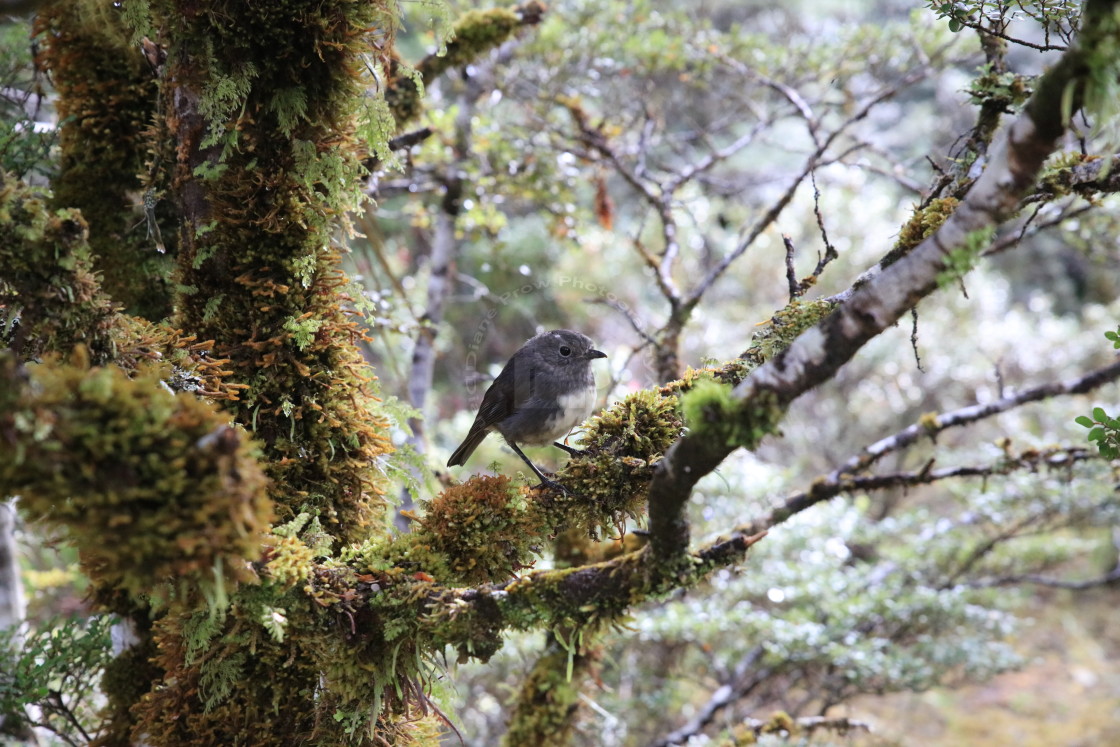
495 408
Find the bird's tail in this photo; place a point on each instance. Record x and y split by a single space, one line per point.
470 443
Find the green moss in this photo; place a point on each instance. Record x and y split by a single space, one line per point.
47 280
259 276
960 261
484 531
154 487
1006 91
774 337
712 412
546 704
623 444
124 682
475 33
107 97
922 224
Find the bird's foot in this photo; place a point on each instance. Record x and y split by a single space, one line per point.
551 484
572 451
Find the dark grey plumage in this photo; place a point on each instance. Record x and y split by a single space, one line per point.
545 390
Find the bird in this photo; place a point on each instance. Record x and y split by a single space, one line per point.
545 390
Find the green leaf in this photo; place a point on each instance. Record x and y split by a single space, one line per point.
1099 414
1096 434
1085 421
954 25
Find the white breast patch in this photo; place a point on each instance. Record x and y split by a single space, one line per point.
574 409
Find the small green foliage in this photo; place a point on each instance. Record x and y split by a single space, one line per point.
303 331
962 259
375 127
290 107
226 93
56 668
213 305
1006 89
1105 430
957 13
1114 338
208 171
304 268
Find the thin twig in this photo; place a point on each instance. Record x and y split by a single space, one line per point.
812 163
791 273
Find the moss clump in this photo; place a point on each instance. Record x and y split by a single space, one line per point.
546 705
288 561
267 163
777 335
154 487
107 96
484 530
922 224
712 412
124 682
960 261
475 33
623 444
47 282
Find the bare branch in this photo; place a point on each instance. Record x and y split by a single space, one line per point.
791 273
735 688
931 426
823 489
811 163
984 30
1111 577
628 314
689 173
842 479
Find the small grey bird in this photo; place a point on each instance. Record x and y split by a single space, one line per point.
545 390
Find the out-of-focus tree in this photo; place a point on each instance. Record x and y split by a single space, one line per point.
184 396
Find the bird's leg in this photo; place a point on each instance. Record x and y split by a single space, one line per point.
545 482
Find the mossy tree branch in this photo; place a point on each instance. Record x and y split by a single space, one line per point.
107 100
475 33
49 292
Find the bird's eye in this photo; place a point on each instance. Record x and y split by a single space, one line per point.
565 351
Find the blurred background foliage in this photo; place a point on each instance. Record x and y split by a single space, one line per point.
567 151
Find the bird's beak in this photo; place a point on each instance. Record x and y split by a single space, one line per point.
592 354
